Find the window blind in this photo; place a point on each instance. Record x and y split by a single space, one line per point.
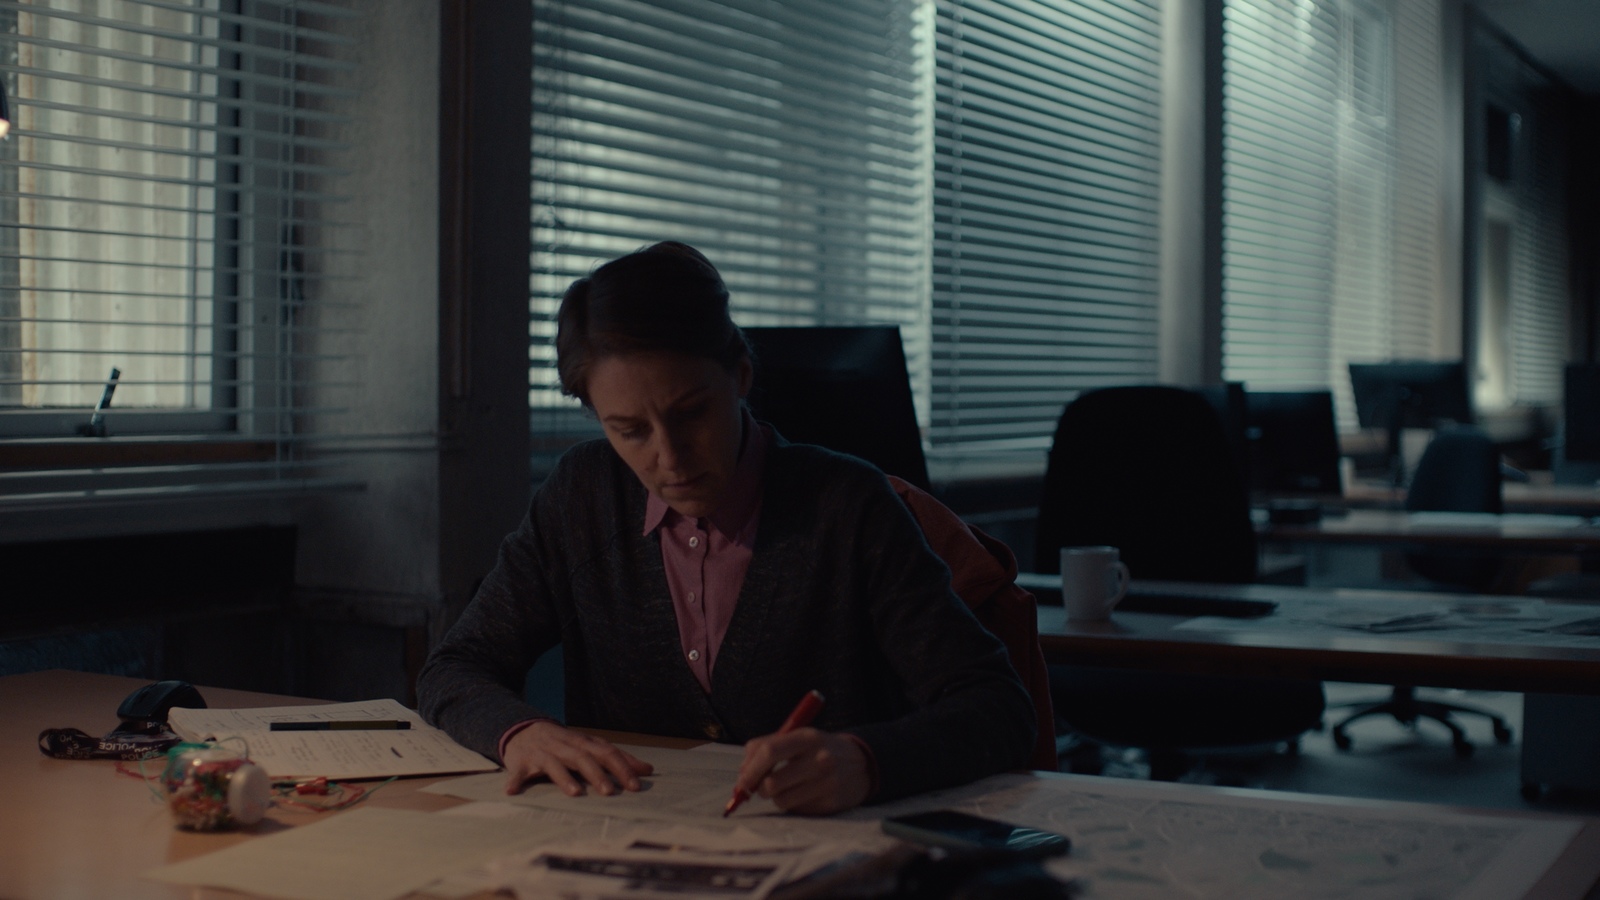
1331 189
169 199
1539 309
1532 204
786 141
1045 214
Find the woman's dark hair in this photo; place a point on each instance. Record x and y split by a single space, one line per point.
666 297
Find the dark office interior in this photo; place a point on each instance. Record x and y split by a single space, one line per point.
366 517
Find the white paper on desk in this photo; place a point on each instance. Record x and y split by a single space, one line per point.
1500 610
1385 617
1138 840
656 860
687 786
476 881
204 724
821 834
339 755
365 854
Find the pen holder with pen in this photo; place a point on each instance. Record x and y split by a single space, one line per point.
210 788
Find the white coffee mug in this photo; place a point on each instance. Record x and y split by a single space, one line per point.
1093 580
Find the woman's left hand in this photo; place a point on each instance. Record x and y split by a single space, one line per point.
807 771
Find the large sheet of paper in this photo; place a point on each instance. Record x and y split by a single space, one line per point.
365 854
420 749
657 860
817 842
686 786
1137 840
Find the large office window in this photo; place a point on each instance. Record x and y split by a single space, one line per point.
167 199
1045 214
786 141
1332 187
981 173
1521 316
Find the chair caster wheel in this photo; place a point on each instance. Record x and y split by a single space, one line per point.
1463 750
1341 740
1502 734
1532 791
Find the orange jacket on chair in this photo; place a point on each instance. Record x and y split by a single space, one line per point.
983 573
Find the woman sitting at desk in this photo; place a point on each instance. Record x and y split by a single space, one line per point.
703 574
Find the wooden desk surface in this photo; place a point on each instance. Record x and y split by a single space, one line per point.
1151 641
76 829
1518 533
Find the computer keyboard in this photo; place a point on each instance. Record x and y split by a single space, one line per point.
1173 604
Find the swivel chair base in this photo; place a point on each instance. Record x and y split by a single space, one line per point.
1404 706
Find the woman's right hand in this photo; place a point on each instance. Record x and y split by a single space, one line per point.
571 760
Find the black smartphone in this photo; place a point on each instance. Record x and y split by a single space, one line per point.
959 830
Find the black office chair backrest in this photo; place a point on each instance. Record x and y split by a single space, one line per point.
841 387
1458 472
1148 470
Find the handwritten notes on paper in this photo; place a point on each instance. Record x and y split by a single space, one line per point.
420 749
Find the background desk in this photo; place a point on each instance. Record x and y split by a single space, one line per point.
1509 533
74 828
1150 641
1540 495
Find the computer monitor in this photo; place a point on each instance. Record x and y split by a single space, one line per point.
1294 442
1580 407
842 387
1413 394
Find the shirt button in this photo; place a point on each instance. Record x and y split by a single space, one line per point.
691 596
694 542
713 731
694 655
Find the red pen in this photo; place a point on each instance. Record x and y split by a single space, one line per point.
804 712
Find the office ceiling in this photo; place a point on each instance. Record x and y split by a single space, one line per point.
1564 35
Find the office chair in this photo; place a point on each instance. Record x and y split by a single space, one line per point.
841 387
847 389
1149 470
1459 472
983 574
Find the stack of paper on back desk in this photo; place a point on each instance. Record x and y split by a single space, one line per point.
416 749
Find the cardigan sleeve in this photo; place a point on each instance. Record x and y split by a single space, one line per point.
472 683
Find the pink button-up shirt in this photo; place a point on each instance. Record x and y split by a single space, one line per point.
706 558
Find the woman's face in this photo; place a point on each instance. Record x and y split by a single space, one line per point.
675 421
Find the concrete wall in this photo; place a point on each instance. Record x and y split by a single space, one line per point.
384 538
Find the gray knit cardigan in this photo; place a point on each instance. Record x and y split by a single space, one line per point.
842 595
